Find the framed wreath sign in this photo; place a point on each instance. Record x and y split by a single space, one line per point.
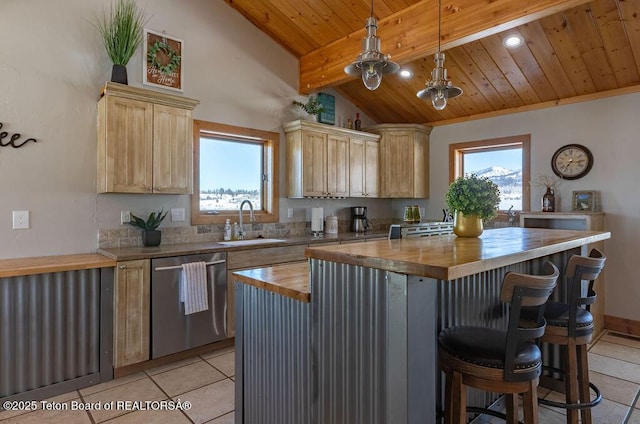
162 60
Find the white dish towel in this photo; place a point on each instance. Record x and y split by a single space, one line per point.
193 287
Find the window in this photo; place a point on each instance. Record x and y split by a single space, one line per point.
233 164
505 161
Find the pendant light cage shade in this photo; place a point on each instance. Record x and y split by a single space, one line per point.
371 64
439 89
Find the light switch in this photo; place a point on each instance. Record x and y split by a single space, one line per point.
20 220
289 212
177 214
125 217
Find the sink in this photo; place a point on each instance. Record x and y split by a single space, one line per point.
250 242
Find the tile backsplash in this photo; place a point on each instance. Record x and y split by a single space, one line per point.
132 237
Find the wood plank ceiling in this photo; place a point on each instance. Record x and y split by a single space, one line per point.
574 50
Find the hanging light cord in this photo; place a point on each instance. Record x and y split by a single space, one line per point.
439 23
372 8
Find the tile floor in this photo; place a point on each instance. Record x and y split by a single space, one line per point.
206 382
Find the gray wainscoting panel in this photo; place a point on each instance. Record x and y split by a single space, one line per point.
50 328
276 359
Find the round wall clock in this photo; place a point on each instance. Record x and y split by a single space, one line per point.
572 161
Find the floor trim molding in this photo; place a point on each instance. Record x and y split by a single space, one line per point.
622 325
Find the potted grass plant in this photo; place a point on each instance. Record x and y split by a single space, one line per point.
151 236
121 31
473 199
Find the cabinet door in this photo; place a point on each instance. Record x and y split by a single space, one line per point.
364 164
357 164
131 313
172 150
396 164
127 154
337 165
372 169
314 164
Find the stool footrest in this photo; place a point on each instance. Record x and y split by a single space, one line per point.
477 410
596 400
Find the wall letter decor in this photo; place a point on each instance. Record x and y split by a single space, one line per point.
12 141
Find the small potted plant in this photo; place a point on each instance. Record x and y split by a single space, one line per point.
313 106
121 32
473 199
151 236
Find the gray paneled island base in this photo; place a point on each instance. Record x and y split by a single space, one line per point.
363 349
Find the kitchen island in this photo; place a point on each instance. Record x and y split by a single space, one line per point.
363 350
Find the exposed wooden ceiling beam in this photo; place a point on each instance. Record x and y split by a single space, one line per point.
412 33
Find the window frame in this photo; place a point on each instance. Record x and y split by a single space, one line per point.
270 188
458 150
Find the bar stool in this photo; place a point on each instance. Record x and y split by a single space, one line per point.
505 361
571 326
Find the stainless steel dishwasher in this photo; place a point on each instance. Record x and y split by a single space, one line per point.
171 330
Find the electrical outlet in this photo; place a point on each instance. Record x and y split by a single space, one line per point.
20 220
125 217
177 214
290 213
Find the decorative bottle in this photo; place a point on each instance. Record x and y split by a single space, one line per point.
236 232
349 124
548 201
227 230
358 123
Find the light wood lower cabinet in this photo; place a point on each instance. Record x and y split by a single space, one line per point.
131 327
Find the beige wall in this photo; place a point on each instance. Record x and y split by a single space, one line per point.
52 67
610 128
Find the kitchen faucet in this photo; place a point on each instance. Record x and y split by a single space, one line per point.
251 217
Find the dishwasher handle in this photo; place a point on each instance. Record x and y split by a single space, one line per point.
170 268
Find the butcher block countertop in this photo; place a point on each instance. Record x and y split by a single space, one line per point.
164 250
449 257
291 280
45 264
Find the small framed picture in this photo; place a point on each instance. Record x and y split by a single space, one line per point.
162 60
584 201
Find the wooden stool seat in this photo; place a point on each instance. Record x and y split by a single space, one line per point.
499 360
571 325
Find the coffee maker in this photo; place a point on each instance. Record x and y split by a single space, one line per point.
359 221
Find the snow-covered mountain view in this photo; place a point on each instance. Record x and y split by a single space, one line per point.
510 184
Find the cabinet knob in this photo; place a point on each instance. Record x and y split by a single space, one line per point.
123 267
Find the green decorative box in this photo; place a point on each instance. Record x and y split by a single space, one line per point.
328 114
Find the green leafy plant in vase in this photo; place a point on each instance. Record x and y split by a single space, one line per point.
313 106
151 236
121 32
473 199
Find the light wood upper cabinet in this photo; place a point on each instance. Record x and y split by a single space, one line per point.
404 160
337 165
145 141
319 159
364 165
131 328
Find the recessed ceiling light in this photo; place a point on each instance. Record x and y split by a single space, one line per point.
513 41
405 73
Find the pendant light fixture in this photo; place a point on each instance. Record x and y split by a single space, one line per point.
371 64
439 88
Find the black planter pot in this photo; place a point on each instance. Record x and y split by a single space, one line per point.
119 74
151 238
